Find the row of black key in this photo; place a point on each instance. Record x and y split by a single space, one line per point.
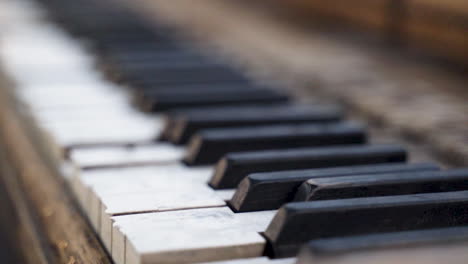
269 147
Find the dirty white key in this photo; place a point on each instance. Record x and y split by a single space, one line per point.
144 189
188 236
107 192
261 260
122 155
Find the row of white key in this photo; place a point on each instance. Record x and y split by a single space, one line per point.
163 212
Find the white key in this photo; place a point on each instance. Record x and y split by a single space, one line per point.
99 132
121 155
161 187
73 96
226 194
262 260
188 236
152 189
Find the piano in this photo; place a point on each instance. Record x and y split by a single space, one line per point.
141 132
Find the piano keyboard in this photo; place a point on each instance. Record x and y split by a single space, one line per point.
176 157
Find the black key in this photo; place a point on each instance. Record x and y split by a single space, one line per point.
208 146
183 75
143 93
146 67
331 248
174 100
146 95
396 183
296 223
133 57
181 126
270 190
236 166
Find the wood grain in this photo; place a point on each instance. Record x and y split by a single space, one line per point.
53 229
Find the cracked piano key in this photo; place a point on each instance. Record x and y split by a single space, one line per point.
168 101
208 234
124 155
185 75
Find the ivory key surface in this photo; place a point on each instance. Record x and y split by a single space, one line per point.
188 236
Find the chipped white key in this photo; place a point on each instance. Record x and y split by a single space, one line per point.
152 189
122 155
188 236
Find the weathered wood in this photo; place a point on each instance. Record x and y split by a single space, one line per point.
53 229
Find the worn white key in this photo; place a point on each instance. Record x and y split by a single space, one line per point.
262 260
107 186
121 155
188 236
152 189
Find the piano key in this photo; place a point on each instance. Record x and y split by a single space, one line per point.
208 234
124 155
146 67
234 167
184 75
164 102
132 57
134 179
182 125
225 194
96 132
208 146
396 183
296 223
141 95
270 190
444 245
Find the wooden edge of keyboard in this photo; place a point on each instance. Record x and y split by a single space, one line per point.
50 228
